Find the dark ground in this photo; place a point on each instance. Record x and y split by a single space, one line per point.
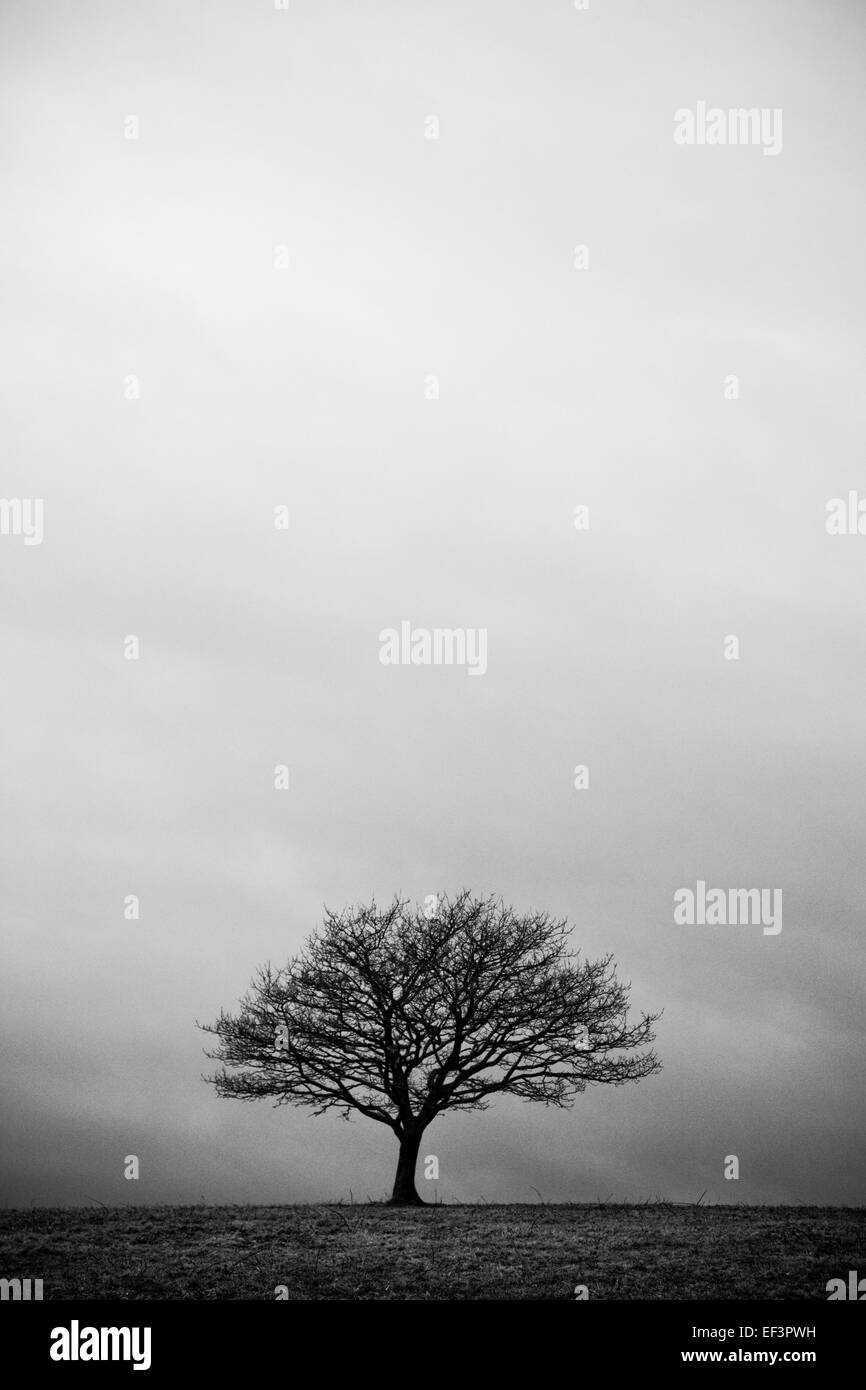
658 1251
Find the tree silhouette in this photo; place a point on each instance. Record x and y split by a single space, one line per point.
401 1013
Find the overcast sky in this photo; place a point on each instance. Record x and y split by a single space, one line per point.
607 386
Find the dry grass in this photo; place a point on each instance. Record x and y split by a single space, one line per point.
656 1251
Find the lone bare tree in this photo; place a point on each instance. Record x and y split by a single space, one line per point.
403 1012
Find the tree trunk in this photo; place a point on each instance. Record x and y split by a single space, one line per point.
404 1194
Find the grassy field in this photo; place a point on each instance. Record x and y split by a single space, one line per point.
657 1251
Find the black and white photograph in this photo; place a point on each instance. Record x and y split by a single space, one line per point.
432 579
